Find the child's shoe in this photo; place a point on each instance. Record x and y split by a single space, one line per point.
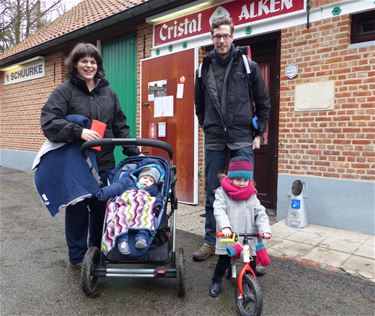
215 289
123 247
140 243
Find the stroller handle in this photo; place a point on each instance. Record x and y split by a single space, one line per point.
127 142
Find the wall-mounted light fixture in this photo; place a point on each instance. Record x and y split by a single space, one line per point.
180 11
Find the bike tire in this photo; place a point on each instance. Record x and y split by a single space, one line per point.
252 302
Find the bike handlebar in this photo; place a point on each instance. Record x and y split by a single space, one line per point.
259 235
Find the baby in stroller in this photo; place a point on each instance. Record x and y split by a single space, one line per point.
134 200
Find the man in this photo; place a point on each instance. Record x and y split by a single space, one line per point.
224 98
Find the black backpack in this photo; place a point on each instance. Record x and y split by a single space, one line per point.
246 55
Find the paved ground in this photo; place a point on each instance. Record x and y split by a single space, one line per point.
319 246
36 279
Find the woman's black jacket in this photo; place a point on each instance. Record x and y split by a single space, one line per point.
73 97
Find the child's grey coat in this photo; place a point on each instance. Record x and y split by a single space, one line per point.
241 216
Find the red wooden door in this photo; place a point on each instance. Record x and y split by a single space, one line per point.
167 113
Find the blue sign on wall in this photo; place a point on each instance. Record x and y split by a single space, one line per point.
296 204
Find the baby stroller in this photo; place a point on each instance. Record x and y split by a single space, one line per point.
160 255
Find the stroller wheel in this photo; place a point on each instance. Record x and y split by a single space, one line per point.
88 280
180 273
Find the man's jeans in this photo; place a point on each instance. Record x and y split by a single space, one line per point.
215 163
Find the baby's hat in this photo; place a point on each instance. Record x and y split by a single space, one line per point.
240 168
152 172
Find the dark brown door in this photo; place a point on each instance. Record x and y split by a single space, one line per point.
171 120
265 51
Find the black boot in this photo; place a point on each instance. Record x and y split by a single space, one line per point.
260 271
215 289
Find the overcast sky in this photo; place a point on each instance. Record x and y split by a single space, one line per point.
67 3
70 3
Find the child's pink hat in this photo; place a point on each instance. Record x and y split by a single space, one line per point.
240 168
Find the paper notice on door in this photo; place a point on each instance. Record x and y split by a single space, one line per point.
163 106
162 129
180 91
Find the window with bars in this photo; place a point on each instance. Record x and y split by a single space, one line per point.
363 27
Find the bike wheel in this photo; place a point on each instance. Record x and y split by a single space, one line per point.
251 303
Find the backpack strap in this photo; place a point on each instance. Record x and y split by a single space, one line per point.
247 65
246 56
200 70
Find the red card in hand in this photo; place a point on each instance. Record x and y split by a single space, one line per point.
100 128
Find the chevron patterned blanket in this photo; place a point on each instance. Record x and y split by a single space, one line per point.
133 209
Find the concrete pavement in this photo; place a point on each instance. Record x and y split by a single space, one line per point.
36 278
318 246
314 245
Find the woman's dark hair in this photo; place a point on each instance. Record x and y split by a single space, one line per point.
222 20
79 51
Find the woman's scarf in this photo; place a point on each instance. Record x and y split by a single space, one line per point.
237 193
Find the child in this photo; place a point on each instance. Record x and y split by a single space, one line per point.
147 180
128 180
237 209
137 200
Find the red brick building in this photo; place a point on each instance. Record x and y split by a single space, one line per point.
318 61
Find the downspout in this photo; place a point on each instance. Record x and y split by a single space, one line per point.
308 14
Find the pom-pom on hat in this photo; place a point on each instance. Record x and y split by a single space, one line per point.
152 172
240 168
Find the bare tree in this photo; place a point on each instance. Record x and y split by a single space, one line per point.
20 18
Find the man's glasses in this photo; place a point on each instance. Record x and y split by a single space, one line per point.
218 37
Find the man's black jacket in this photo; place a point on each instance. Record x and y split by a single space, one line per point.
231 122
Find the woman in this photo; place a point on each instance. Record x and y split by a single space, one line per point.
87 93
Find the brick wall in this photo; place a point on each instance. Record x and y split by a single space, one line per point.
21 103
320 3
338 143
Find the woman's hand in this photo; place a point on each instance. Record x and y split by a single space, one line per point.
267 235
88 134
227 232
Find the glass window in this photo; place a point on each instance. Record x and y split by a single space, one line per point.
363 27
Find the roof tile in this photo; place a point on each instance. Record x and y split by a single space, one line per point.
85 13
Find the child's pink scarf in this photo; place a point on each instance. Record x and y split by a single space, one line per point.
235 192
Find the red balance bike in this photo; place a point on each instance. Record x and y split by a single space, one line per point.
247 294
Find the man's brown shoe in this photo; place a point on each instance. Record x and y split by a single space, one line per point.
204 252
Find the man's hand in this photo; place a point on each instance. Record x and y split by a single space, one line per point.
256 142
88 134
